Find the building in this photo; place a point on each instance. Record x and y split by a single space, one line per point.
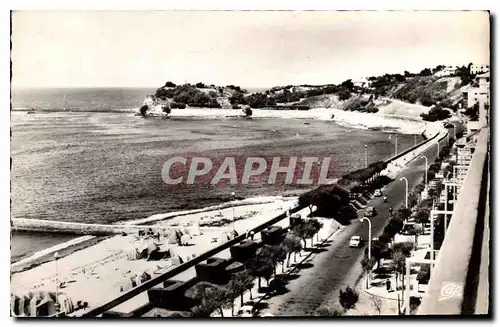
362 82
476 69
480 95
446 71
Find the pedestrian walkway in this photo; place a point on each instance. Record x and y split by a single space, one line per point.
257 299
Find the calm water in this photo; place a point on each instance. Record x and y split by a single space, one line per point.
106 167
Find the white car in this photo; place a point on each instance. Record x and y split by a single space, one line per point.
377 192
245 311
355 242
266 314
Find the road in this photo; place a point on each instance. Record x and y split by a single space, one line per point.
340 265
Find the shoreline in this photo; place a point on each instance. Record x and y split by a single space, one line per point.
39 261
81 242
383 122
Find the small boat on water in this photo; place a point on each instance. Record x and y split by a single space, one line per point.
306 123
31 111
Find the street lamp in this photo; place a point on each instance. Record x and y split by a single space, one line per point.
369 241
366 155
232 199
56 257
406 182
426 167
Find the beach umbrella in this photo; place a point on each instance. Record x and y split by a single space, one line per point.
14 305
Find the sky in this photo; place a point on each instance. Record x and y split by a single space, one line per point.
250 49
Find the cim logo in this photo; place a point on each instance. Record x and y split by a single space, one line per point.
450 290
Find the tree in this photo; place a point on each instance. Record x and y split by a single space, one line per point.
348 85
316 225
248 112
293 245
403 214
330 200
422 216
348 298
378 247
403 247
419 188
169 84
377 303
211 297
425 72
261 267
304 231
399 264
432 193
144 109
241 282
393 227
166 109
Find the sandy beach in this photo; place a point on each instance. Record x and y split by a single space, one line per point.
106 267
393 120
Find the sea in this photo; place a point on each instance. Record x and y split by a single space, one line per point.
99 163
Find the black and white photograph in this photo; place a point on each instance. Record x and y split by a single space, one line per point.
249 164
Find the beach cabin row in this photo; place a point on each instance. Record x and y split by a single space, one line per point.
174 295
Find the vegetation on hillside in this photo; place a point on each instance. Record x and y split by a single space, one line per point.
425 88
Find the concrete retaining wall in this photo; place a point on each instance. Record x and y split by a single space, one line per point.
453 284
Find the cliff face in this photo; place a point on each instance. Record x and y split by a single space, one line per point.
388 94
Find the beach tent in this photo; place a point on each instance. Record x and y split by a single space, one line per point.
177 260
160 252
35 299
195 230
172 237
14 305
65 302
23 307
46 307
185 239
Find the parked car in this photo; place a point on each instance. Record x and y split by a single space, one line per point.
265 314
355 242
370 212
378 192
277 285
245 311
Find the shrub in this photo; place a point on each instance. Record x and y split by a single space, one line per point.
344 95
325 311
348 298
144 109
